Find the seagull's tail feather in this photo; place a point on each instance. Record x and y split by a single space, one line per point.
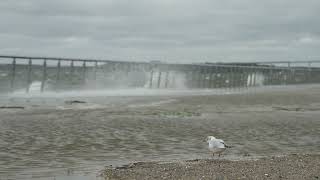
226 145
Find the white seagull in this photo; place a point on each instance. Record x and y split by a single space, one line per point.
216 146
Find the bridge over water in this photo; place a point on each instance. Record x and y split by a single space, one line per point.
25 74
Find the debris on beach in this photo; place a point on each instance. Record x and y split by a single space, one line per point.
75 102
288 109
11 107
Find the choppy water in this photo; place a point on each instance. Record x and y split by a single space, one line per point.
61 141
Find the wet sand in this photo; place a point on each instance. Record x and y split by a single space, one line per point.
48 140
293 167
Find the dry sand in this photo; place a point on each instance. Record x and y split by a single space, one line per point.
287 167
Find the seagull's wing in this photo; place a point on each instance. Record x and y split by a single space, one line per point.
220 140
216 143
224 144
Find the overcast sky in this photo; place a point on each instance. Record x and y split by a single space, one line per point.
167 30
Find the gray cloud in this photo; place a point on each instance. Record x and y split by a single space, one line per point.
168 30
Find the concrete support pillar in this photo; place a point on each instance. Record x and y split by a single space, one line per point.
44 75
29 78
13 74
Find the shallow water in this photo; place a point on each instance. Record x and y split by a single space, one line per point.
53 140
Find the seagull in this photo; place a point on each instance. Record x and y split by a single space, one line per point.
216 146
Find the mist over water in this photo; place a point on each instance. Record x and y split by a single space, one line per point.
176 85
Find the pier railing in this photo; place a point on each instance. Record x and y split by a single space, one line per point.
25 74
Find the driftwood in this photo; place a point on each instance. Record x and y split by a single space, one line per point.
288 109
75 102
11 107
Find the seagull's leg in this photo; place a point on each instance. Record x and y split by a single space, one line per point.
212 154
219 154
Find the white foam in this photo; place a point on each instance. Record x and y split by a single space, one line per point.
116 92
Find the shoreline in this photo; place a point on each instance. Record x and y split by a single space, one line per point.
293 166
120 130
